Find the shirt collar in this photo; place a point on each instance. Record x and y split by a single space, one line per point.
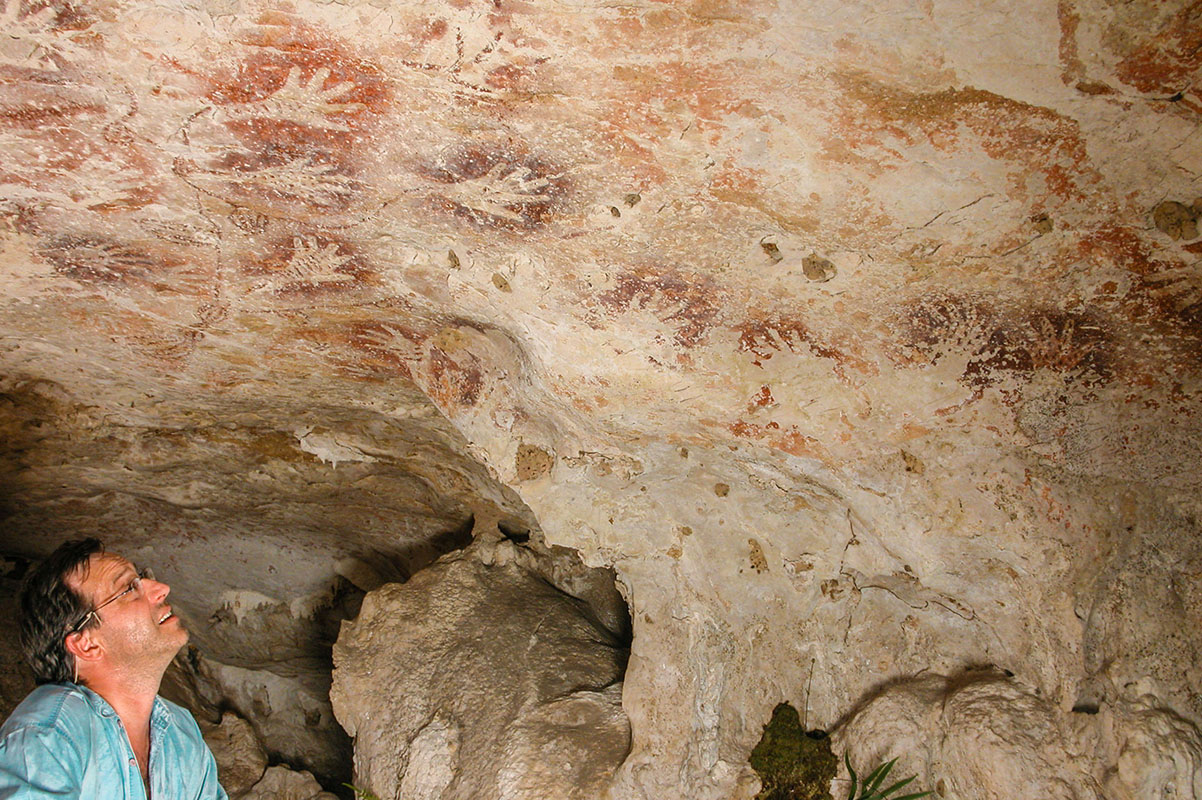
160 715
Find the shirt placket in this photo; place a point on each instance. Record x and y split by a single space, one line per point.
132 788
158 730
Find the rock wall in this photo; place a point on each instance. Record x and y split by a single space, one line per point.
243 770
861 340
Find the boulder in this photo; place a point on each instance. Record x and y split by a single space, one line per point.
481 681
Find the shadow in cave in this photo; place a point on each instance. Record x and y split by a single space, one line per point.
399 564
283 692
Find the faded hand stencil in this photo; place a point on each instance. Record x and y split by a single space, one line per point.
285 169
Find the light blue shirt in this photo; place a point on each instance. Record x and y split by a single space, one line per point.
65 741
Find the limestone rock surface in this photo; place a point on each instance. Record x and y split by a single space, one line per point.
281 783
858 339
240 758
985 735
242 765
1153 753
479 678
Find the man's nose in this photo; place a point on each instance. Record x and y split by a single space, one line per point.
157 590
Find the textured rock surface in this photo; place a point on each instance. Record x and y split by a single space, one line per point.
855 337
15 677
241 760
281 783
1157 754
983 736
480 678
988 736
242 765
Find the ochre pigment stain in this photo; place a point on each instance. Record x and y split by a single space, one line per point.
1003 341
498 185
688 302
764 335
1032 138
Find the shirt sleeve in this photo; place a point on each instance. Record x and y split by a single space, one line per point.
210 789
39 763
197 754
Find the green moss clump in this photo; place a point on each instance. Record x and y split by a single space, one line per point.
793 764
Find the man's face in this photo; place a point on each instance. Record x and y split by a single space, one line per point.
138 629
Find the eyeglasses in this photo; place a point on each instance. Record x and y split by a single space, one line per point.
135 585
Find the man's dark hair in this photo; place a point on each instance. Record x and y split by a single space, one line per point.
50 608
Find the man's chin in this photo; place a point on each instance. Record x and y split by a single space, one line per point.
181 635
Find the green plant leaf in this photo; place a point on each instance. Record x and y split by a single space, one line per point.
870 788
877 777
895 787
361 794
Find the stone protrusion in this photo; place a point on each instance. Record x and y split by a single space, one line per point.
481 681
241 759
987 735
1177 220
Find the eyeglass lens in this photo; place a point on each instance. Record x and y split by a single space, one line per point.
136 584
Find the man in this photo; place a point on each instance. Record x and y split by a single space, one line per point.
99 635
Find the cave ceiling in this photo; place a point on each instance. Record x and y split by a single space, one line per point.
762 304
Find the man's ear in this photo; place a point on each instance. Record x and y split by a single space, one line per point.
83 646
